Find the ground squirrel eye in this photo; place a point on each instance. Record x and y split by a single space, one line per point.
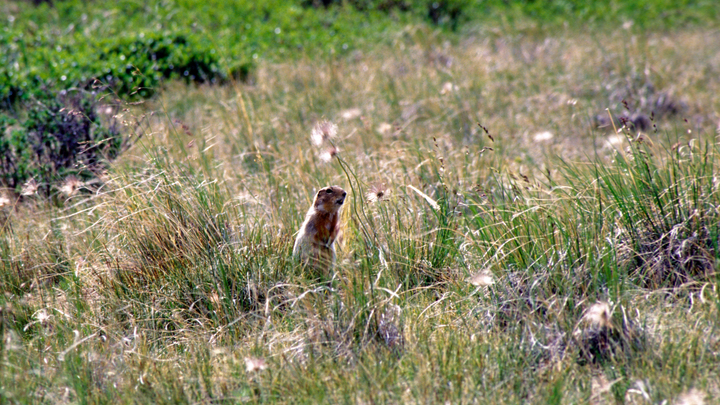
329 191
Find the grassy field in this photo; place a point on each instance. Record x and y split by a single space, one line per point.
533 217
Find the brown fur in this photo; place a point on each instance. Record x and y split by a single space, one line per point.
315 242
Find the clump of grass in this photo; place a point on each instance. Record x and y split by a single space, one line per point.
177 245
28 268
163 224
664 200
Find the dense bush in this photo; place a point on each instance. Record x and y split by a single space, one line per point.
62 134
444 12
47 132
131 65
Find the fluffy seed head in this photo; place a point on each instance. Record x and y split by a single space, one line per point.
70 186
599 315
329 153
378 192
30 187
692 397
482 278
253 364
323 132
4 200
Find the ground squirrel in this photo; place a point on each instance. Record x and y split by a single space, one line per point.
315 241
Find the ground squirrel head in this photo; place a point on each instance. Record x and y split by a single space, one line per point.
330 199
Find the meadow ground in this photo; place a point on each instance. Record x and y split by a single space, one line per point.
542 228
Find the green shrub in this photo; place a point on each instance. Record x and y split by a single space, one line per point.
130 65
444 12
62 134
136 65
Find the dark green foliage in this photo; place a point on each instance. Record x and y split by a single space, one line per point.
445 12
131 65
138 64
62 134
6 160
363 5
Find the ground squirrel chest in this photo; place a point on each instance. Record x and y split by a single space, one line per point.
315 241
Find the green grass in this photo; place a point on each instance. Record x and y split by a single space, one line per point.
169 277
132 47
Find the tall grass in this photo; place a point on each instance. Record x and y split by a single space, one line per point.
474 277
